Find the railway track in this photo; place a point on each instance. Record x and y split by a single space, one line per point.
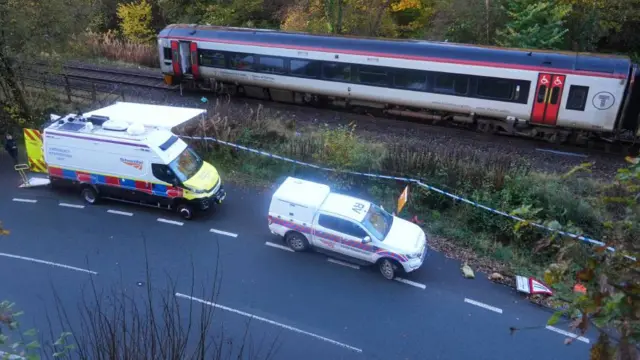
102 76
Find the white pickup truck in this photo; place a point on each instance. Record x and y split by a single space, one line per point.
308 215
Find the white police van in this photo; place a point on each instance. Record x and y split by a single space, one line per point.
308 215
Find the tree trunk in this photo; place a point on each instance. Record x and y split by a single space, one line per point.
376 23
17 96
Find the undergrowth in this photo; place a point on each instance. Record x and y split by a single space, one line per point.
497 181
110 47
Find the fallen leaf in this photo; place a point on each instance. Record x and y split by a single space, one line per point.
568 341
468 272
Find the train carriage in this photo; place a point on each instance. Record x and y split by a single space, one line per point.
531 93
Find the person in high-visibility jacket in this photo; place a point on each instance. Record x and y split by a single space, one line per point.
12 148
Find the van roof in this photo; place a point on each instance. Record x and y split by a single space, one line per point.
302 192
346 206
161 116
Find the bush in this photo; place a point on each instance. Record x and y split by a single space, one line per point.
110 47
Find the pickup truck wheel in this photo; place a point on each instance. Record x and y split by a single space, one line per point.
388 268
89 195
296 241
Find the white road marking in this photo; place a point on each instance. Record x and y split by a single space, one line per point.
278 246
343 263
47 263
223 233
170 222
25 200
412 283
117 212
71 205
254 317
483 305
567 334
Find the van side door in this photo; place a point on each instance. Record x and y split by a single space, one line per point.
164 193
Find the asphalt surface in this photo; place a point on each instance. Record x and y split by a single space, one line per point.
310 307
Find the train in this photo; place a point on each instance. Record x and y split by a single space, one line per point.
556 96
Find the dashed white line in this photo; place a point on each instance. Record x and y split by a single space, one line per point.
48 263
278 246
117 212
71 205
483 305
25 200
223 233
412 283
170 222
567 334
284 326
343 263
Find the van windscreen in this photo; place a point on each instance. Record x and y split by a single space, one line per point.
187 164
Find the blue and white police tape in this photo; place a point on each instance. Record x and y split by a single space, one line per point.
409 180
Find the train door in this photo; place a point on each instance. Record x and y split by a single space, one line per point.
195 69
546 103
185 57
175 58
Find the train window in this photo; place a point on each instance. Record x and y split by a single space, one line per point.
410 79
211 58
336 71
270 64
166 52
555 94
372 75
577 97
451 84
542 92
304 68
242 61
497 89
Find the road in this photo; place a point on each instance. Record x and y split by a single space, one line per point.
312 307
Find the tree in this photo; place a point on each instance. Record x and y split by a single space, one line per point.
136 21
33 30
534 24
611 302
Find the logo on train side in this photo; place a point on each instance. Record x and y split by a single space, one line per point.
133 163
603 100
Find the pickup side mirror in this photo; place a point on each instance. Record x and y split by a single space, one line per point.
366 239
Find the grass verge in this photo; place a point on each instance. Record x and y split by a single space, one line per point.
489 241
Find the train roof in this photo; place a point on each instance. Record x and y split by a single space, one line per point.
538 60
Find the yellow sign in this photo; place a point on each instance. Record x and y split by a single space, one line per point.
402 200
33 144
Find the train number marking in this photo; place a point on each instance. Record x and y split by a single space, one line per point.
603 100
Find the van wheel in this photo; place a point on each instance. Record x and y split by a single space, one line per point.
388 268
296 241
89 195
185 211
